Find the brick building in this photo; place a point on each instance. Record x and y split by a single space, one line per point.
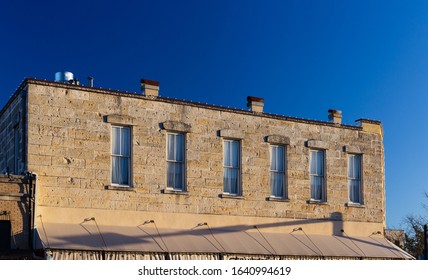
16 216
139 176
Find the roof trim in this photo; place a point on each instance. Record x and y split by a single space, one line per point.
184 102
12 98
368 121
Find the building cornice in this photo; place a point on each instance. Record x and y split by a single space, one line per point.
35 81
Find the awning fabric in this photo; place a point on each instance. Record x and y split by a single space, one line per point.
148 242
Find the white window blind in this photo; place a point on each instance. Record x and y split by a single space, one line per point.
175 161
317 170
121 155
354 178
231 167
277 171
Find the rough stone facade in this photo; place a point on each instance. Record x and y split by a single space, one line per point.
69 131
13 134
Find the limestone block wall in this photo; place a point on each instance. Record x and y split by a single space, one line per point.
69 148
13 134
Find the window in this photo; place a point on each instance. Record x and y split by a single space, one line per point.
231 167
277 171
176 161
317 170
121 156
354 178
16 150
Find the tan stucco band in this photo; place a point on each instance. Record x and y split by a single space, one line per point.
188 221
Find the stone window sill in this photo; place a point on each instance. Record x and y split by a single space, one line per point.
277 199
176 192
119 188
233 196
356 205
317 202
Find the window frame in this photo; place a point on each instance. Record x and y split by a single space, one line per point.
16 149
239 168
184 165
323 190
113 155
359 180
283 172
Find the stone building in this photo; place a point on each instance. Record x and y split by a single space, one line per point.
138 176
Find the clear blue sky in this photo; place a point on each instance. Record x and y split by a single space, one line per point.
366 58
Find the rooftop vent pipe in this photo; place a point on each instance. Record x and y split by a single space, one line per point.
90 81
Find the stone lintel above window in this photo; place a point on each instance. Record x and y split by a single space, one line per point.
231 133
176 126
353 150
277 139
317 144
119 119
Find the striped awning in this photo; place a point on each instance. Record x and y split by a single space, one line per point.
246 244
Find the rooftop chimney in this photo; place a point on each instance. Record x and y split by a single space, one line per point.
335 116
150 88
255 104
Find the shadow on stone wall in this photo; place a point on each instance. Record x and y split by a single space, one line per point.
337 222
